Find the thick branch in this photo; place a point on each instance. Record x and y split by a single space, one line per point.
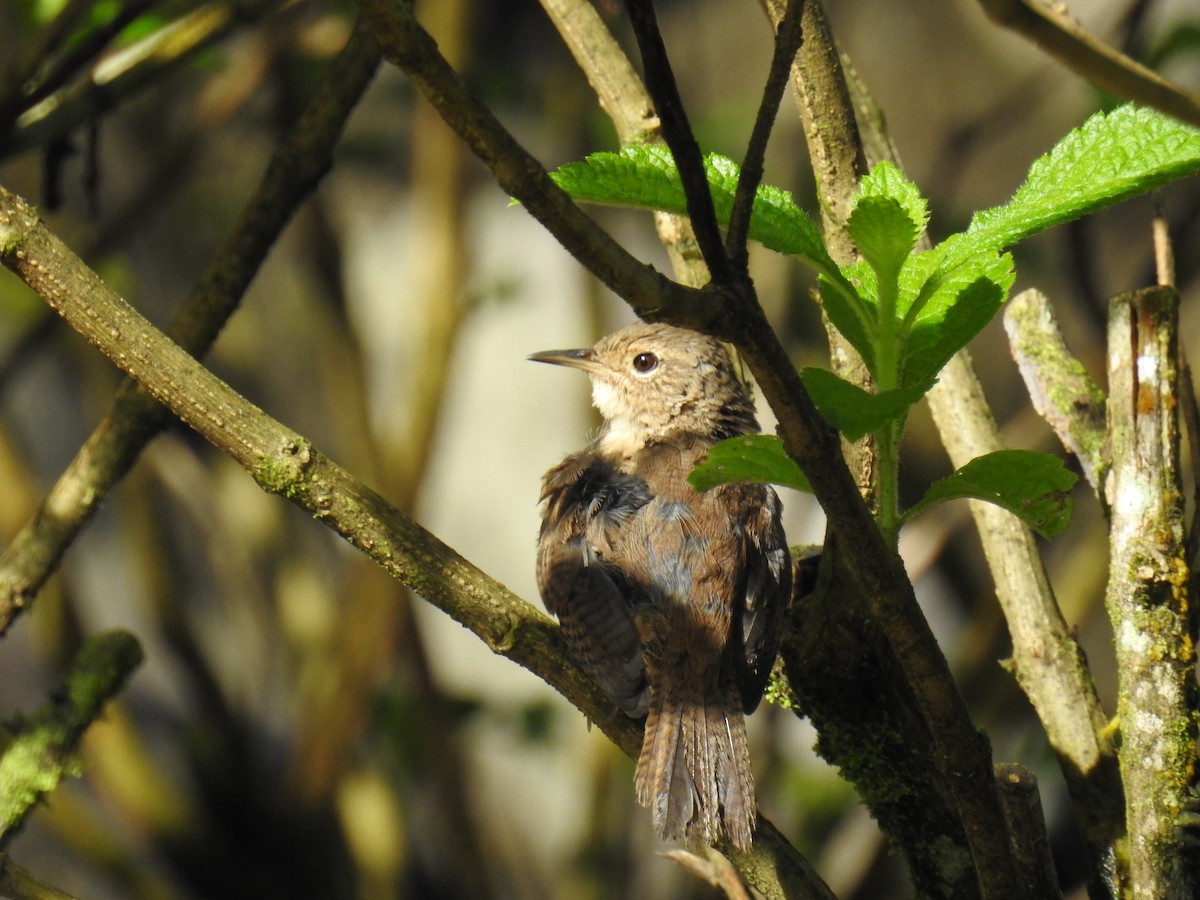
1047 660
285 463
1148 590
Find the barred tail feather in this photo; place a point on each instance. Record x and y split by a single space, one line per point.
694 769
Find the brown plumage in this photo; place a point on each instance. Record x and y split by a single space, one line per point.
671 599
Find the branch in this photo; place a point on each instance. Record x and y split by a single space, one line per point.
1026 823
623 97
284 463
660 81
1148 595
788 36
295 168
44 748
1061 390
407 45
1047 660
923 721
124 73
1055 31
731 312
17 884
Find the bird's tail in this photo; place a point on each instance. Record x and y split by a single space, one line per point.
694 769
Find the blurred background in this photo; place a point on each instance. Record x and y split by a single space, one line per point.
302 726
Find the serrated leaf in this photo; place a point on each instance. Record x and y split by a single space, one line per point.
1035 487
646 177
886 180
853 411
854 319
752 457
955 313
1111 157
884 233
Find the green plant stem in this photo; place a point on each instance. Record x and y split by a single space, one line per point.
887 449
887 440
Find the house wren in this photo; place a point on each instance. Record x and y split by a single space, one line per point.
671 599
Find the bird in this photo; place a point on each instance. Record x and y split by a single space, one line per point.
672 600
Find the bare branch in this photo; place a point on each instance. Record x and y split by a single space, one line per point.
1148 595
294 170
788 36
1061 390
1054 30
660 82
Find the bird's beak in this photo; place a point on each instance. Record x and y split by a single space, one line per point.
576 359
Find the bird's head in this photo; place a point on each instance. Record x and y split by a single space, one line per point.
652 382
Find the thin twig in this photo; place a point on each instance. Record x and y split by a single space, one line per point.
660 82
1054 30
407 45
295 168
788 36
624 98
125 72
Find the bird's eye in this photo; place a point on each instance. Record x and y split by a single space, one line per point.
645 362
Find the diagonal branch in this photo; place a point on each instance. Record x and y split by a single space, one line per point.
789 33
1054 30
297 165
730 311
660 82
407 45
287 464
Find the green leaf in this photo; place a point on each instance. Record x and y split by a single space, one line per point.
853 411
957 308
854 318
1111 157
885 180
884 233
646 178
751 457
1035 487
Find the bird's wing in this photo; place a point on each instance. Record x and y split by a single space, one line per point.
765 591
588 597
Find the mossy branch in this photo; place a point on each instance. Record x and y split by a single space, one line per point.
1149 589
284 463
44 749
295 168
